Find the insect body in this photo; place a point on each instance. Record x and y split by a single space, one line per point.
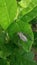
22 36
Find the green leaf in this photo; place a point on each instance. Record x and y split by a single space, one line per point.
34 27
28 13
25 28
34 21
22 62
2 62
8 9
4 37
24 3
35 40
6 50
23 58
29 16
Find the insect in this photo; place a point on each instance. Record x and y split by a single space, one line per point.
22 37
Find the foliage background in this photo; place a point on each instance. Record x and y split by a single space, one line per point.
18 16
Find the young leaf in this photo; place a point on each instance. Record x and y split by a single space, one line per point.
8 9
